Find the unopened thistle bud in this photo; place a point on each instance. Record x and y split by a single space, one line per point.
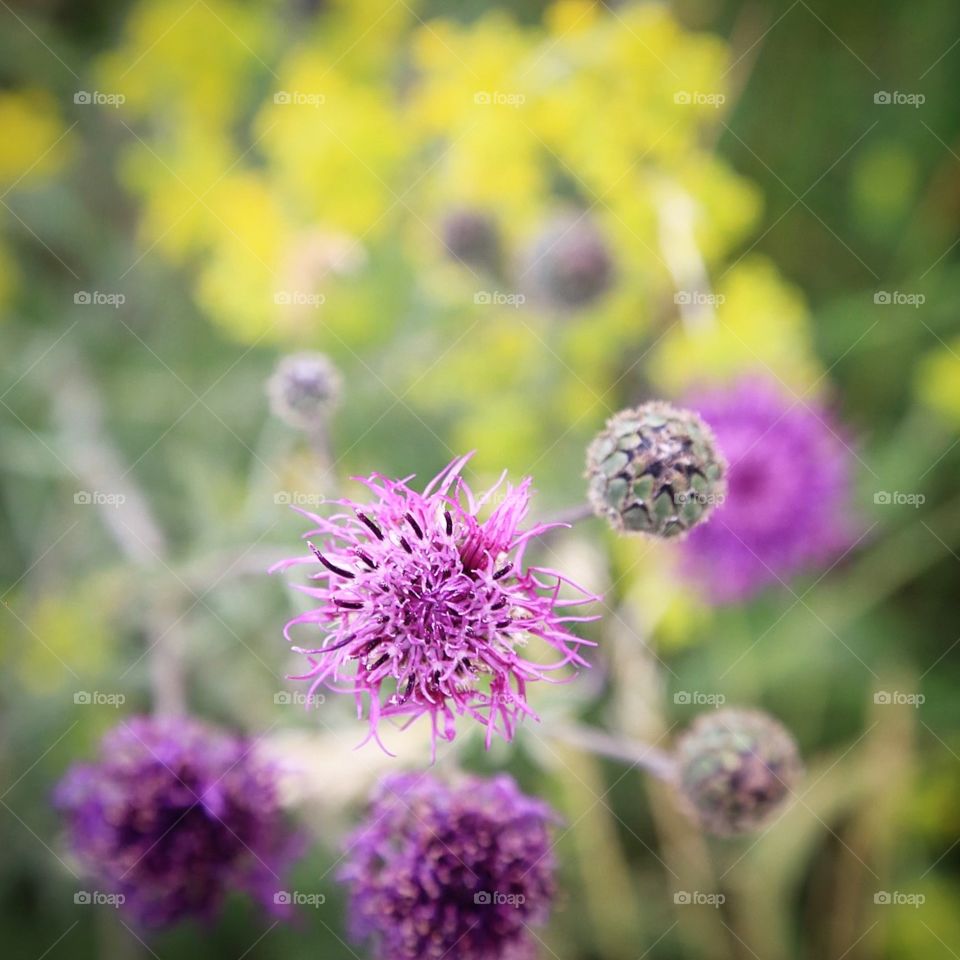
472 238
735 768
570 265
655 469
303 389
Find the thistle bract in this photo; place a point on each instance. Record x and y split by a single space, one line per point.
655 469
736 768
450 871
175 815
424 608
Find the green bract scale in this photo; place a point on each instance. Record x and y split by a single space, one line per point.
735 768
655 469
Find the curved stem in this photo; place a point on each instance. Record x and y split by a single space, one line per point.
659 763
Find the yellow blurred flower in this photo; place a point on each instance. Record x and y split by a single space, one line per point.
760 323
938 381
34 144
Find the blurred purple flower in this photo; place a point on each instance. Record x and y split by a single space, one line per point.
426 609
458 871
175 815
787 504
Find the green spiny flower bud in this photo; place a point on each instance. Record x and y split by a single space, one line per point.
655 469
735 768
303 389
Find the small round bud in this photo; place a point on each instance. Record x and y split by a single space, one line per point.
655 469
472 238
303 388
735 768
570 265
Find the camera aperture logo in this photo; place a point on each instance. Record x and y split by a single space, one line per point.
898 498
696 898
699 698
899 298
99 298
897 98
298 298
686 98
299 98
897 898
98 498
499 98
496 898
96 98
298 498
297 898
896 698
96 898
497 298
296 698
97 698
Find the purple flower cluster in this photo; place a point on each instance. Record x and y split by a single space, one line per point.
458 871
426 609
787 503
175 815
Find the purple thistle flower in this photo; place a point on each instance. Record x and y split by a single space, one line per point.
459 871
787 503
175 815
426 609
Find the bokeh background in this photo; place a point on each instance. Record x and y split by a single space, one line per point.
191 190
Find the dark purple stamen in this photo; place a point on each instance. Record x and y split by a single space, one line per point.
449 521
503 571
349 604
366 558
416 526
377 532
332 567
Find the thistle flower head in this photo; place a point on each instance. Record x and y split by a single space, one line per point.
424 608
570 264
655 469
439 870
788 504
174 816
303 389
736 768
472 238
